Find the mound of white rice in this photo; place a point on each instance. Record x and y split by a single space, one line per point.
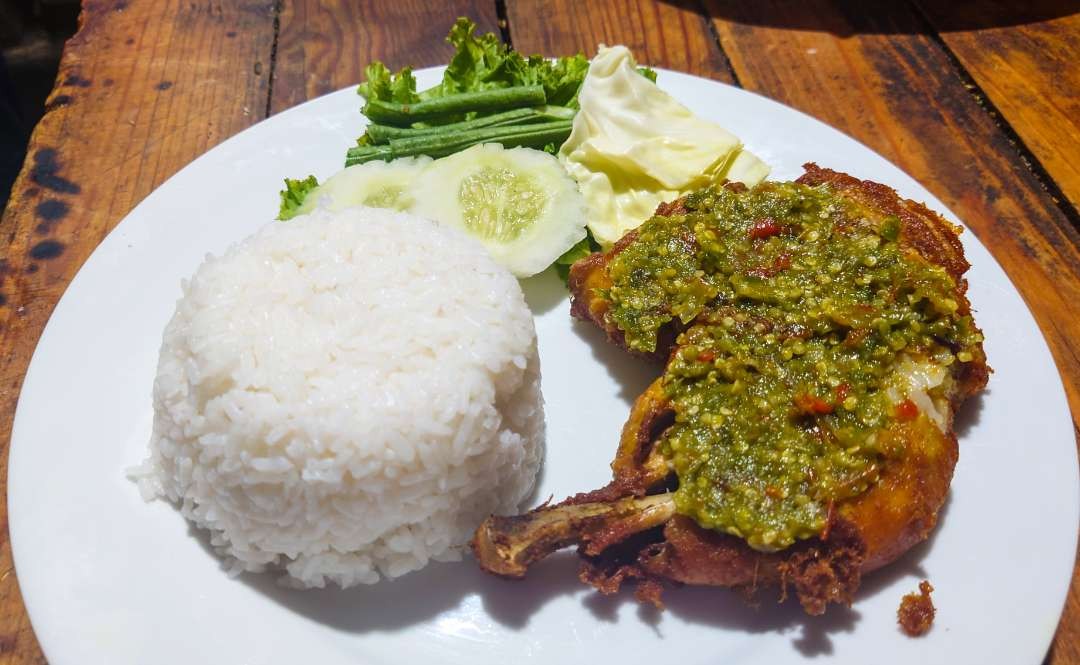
346 395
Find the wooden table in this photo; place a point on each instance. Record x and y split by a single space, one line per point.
980 102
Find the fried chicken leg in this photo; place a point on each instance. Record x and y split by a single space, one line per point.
633 529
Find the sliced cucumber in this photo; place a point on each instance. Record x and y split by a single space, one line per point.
520 203
374 184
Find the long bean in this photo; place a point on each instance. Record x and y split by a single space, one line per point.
440 145
497 99
379 134
484 135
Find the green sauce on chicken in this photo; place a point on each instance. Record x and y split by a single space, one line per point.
805 318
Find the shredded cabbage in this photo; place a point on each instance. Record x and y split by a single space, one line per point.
633 146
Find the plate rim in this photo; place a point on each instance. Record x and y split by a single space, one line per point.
17 447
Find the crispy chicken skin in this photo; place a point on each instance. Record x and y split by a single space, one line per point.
629 530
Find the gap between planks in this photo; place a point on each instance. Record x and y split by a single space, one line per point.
278 6
1026 155
719 46
504 23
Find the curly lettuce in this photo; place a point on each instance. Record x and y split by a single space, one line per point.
481 62
583 248
293 196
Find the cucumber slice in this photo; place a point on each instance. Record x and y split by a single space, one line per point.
374 184
520 203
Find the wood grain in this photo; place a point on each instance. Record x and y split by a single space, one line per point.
324 46
143 89
891 86
147 85
672 35
879 77
1023 57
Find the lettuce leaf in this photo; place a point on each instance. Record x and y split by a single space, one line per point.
481 62
379 83
586 246
292 197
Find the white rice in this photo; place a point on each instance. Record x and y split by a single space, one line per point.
345 396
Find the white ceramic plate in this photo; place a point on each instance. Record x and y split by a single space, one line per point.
110 579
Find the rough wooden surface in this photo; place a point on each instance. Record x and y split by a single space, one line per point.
1023 57
893 87
662 34
146 86
142 90
324 46
884 80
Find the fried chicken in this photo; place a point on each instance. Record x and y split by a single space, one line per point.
916 612
860 497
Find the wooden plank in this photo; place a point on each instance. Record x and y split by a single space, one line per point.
1023 57
879 77
117 128
143 89
324 46
670 35
890 85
